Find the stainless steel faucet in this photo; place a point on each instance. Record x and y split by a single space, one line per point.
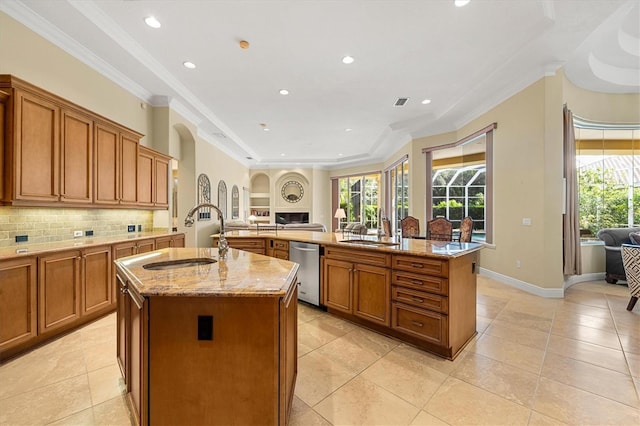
223 245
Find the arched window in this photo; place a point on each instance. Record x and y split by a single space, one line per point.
222 198
204 196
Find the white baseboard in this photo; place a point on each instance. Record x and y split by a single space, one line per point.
575 279
524 286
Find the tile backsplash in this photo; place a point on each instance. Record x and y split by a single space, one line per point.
44 225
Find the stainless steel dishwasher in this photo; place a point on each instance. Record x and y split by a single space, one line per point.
308 257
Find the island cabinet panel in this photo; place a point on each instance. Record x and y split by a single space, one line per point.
137 352
122 325
37 142
97 294
58 290
223 384
76 158
18 306
106 148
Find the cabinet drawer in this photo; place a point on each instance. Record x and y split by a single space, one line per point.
246 243
359 256
281 254
420 299
421 265
423 324
421 282
256 250
280 245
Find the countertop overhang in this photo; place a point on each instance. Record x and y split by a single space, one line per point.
409 246
241 274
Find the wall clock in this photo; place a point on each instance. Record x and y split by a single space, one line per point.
292 191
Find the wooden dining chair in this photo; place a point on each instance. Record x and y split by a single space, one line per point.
386 228
410 227
440 229
466 229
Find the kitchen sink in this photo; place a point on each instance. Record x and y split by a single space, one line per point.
370 242
181 263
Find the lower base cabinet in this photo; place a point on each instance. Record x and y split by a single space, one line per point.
18 302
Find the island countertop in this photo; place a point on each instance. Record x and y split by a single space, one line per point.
410 246
241 274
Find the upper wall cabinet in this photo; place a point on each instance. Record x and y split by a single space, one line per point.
55 153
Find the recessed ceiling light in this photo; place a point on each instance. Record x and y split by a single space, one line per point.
348 60
266 129
339 155
282 155
348 130
189 65
152 22
426 101
460 3
284 92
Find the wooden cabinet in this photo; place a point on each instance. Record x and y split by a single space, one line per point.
97 280
132 347
176 240
18 312
76 158
361 289
434 300
128 169
254 245
278 249
235 371
58 290
106 148
153 178
36 129
53 152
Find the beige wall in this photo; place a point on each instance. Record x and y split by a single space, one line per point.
34 59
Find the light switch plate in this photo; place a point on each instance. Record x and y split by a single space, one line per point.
526 221
77 234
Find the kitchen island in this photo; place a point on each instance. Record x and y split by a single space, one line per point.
202 342
420 291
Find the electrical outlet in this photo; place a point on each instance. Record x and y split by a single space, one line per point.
77 234
526 221
22 238
517 264
88 233
131 228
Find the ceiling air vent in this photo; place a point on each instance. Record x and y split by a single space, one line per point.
400 102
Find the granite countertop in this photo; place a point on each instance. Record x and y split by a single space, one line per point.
240 274
26 249
409 246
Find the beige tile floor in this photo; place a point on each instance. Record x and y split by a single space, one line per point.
534 361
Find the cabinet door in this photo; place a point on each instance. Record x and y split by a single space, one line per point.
163 242
145 246
289 350
122 316
161 182
177 240
18 302
4 104
76 157
136 353
37 127
106 165
97 282
338 285
371 293
128 170
145 177
58 290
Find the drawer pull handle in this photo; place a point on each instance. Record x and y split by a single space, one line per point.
124 290
417 282
417 265
417 324
417 299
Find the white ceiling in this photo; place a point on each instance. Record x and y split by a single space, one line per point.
466 60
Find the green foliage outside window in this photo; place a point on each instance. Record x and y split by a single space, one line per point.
604 201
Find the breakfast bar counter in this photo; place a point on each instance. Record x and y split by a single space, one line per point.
204 340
